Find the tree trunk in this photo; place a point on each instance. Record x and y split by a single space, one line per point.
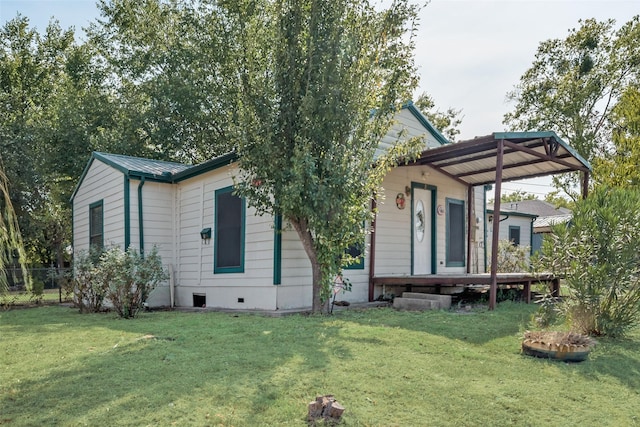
300 225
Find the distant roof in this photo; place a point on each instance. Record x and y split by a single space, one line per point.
525 155
539 208
544 223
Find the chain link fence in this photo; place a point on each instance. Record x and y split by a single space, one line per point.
49 287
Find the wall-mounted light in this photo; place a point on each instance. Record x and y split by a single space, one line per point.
205 234
407 190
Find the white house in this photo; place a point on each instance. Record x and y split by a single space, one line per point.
221 254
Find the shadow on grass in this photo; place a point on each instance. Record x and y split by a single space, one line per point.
163 365
476 327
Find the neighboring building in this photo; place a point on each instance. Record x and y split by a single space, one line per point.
221 254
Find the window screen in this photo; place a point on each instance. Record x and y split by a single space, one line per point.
455 232
514 234
229 232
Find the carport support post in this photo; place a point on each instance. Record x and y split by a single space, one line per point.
493 290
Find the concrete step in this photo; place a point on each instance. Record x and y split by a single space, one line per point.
418 304
444 301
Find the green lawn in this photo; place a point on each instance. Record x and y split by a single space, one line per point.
386 368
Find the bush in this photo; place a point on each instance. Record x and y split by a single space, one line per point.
598 257
127 278
512 258
88 294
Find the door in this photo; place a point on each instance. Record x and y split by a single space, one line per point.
421 230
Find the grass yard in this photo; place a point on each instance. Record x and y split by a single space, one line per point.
386 368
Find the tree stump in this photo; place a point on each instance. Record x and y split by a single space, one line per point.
325 407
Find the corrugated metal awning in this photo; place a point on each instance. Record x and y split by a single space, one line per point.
526 155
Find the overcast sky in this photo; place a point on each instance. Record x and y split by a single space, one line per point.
470 53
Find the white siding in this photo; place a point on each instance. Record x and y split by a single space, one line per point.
409 127
503 234
101 182
393 226
194 211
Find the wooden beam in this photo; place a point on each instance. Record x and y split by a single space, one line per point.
372 250
493 290
470 223
550 158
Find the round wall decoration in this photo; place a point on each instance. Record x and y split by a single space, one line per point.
420 219
400 201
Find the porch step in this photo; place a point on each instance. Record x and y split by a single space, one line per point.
418 304
444 301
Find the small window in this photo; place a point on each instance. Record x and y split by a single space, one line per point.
356 251
96 228
229 224
514 234
455 233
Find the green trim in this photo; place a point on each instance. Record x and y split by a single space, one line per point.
205 167
426 123
91 207
434 202
84 174
127 213
514 213
359 265
233 269
277 250
140 217
531 237
448 203
516 227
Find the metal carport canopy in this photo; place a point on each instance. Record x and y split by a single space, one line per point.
504 156
525 155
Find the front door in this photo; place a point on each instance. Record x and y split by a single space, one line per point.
422 229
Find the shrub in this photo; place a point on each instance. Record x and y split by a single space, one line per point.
88 294
128 277
598 257
512 258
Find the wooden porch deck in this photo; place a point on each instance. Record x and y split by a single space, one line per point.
449 280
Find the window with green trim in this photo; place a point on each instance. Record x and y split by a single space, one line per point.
455 233
229 224
356 251
514 234
96 225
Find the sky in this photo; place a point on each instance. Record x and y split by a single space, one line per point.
469 53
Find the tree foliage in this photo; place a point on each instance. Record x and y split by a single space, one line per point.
573 84
517 196
321 84
10 238
447 122
598 257
620 164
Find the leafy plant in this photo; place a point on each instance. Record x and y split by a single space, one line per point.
127 278
598 257
512 258
88 294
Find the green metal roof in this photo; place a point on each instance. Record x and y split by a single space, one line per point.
137 166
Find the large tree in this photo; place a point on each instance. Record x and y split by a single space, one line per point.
619 167
175 62
321 83
573 84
